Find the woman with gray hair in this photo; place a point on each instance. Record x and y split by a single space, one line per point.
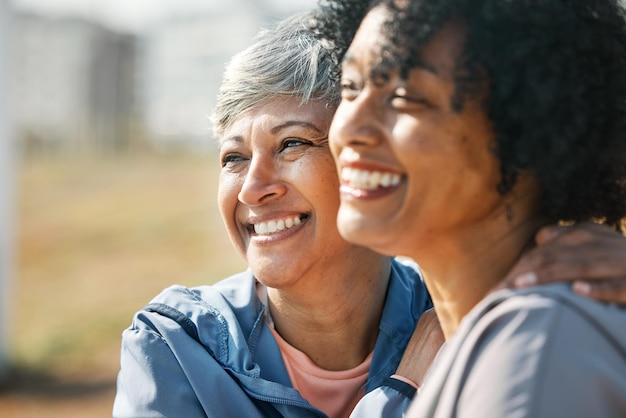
315 322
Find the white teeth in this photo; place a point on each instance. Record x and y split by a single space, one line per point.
385 181
270 227
373 180
369 180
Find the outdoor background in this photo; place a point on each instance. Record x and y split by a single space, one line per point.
108 176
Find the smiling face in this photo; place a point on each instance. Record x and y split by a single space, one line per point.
278 191
413 167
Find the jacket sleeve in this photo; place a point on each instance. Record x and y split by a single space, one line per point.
390 400
151 382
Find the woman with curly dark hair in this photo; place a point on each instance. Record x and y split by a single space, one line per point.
497 118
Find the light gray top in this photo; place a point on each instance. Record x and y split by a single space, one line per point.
538 352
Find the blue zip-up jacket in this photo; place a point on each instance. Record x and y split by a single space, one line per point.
208 352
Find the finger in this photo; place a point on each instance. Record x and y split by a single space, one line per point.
575 234
607 291
564 246
526 266
587 250
596 265
590 258
539 263
548 233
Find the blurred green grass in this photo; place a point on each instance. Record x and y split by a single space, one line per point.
96 240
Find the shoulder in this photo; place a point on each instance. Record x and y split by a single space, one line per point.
406 274
538 349
203 309
234 287
544 320
549 310
235 290
407 283
407 268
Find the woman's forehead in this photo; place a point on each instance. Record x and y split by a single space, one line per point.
373 43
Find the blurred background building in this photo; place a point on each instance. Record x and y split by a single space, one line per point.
74 85
181 66
85 82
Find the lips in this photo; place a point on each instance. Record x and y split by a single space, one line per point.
276 225
368 180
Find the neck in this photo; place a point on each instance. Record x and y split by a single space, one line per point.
334 319
462 267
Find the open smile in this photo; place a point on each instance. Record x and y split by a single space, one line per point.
275 226
367 181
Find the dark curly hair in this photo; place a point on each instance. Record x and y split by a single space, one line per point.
556 71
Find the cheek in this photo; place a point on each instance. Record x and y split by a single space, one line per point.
335 133
325 171
479 157
327 196
412 137
227 192
317 180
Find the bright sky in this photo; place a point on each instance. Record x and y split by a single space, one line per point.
134 15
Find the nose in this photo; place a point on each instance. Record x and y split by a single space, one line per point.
262 183
357 122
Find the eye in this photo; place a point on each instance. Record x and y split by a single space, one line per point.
402 100
231 158
349 89
292 143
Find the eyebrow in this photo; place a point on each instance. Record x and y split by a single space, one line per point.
291 123
239 139
236 138
418 64
426 66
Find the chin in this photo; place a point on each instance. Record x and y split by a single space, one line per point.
359 231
